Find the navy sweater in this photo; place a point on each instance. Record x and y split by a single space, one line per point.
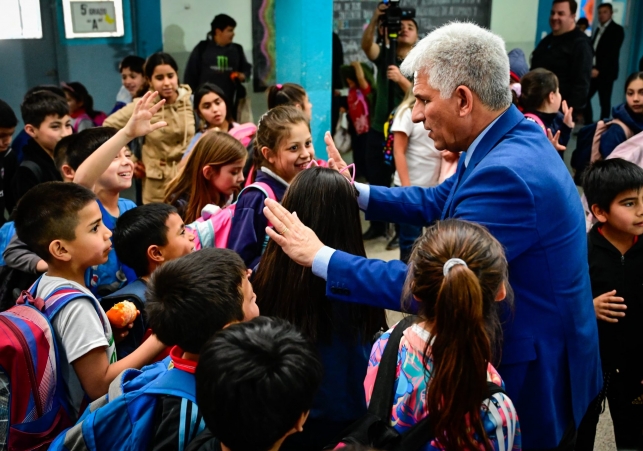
615 134
248 230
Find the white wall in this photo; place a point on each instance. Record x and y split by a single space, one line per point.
515 21
186 22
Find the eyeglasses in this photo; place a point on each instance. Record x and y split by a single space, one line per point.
350 169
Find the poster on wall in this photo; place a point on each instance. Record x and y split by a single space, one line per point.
351 17
263 44
93 18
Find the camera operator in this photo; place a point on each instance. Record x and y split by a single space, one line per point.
377 171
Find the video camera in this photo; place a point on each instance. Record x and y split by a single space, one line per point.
394 15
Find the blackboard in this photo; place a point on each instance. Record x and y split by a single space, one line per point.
352 16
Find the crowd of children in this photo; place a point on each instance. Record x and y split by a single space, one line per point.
194 367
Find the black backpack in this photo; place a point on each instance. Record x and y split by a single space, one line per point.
133 292
374 429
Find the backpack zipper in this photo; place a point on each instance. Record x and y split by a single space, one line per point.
27 354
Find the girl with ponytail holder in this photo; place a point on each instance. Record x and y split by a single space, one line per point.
290 94
457 274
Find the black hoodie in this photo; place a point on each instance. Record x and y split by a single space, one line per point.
621 343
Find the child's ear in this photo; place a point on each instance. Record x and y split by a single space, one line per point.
31 130
502 292
155 255
299 425
68 172
208 172
599 213
268 155
552 97
58 250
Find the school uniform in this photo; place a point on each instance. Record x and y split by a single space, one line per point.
248 231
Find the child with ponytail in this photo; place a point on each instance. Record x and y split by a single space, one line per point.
282 149
290 94
457 274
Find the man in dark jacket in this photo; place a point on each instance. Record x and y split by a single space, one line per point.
220 61
606 41
567 52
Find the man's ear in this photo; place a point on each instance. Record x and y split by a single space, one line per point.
58 251
465 100
599 213
31 130
68 172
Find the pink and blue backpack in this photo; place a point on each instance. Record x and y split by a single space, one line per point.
33 401
212 229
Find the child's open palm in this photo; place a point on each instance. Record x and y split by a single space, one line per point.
140 123
568 120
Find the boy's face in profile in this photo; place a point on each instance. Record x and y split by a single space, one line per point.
53 129
92 243
180 241
250 307
625 215
5 138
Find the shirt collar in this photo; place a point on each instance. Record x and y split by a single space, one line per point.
178 362
274 176
476 141
602 27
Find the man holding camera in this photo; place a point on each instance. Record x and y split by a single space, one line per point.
377 172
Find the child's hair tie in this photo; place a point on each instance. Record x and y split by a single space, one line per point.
279 86
450 263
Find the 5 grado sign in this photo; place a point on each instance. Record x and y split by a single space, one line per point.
93 17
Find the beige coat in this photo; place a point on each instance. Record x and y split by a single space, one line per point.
162 149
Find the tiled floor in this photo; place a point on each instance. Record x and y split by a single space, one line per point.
604 434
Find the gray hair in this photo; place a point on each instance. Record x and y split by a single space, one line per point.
461 53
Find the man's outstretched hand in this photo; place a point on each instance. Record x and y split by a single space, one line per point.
298 241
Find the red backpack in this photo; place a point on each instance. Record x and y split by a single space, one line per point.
32 392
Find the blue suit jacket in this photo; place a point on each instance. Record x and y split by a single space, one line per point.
518 187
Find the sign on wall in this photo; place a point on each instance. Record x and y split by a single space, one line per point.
93 19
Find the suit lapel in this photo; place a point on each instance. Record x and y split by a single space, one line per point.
504 124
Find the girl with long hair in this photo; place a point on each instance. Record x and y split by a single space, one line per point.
629 113
457 274
342 332
211 175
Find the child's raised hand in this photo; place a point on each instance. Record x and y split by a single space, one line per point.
335 160
554 140
568 120
608 307
140 122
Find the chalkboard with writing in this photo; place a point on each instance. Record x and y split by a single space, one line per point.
352 16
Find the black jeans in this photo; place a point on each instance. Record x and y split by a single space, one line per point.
604 89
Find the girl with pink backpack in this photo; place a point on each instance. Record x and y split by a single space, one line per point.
81 107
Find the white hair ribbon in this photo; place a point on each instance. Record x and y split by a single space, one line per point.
451 263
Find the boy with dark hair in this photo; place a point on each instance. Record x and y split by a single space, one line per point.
150 235
47 121
61 223
145 238
60 158
614 190
8 161
220 61
258 376
189 299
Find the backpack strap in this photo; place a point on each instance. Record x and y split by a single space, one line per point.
628 132
34 168
533 118
383 389
175 382
420 433
263 187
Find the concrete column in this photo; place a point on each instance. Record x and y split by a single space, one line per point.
304 56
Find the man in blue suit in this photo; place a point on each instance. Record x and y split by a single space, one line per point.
510 180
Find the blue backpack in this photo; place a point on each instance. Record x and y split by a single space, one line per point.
124 418
33 399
